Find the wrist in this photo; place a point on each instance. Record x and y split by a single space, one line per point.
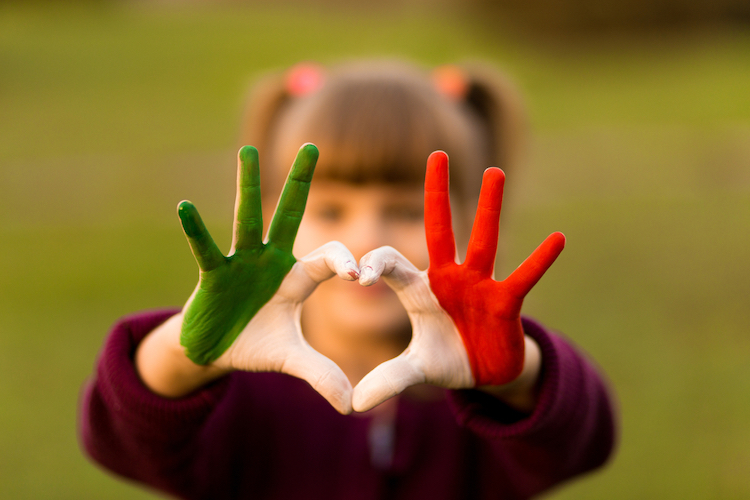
164 368
521 393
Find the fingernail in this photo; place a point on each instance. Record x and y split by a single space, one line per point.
367 276
186 212
351 270
248 153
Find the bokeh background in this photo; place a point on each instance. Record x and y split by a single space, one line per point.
111 112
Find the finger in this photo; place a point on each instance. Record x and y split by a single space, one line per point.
323 375
387 262
206 253
523 279
441 243
291 205
331 259
480 255
248 225
385 381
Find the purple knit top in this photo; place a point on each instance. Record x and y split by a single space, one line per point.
270 436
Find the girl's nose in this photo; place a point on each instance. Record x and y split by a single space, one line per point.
365 236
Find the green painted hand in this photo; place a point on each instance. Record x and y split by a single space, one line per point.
244 313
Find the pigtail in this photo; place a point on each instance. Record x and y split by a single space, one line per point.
498 104
495 102
263 106
267 101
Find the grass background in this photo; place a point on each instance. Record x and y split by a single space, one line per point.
110 114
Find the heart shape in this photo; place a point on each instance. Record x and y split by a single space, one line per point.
466 327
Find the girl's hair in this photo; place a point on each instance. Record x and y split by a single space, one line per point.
378 121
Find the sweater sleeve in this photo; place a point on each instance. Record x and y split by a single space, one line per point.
572 429
132 431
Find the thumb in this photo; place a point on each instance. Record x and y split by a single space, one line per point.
323 375
385 381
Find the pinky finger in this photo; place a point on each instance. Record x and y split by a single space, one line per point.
523 279
206 253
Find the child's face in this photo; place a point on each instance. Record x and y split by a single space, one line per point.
362 217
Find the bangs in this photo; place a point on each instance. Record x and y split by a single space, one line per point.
376 135
380 127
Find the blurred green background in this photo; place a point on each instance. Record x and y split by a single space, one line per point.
110 113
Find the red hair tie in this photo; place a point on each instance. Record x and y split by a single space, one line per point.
304 78
451 81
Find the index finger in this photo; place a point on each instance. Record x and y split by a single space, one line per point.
291 206
441 244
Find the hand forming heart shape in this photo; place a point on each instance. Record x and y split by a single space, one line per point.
245 311
466 327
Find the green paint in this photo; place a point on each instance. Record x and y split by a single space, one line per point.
232 289
283 228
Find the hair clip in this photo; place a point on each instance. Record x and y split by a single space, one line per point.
304 78
451 81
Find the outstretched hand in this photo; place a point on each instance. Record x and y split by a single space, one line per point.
245 312
466 327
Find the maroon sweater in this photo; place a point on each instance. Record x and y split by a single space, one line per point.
270 436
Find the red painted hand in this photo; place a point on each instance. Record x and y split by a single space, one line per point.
486 312
466 327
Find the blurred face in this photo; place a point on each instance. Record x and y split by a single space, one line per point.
362 217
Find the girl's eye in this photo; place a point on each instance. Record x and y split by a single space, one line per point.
405 213
329 213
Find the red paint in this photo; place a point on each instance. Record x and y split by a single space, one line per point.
486 312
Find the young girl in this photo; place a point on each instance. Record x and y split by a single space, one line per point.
432 384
